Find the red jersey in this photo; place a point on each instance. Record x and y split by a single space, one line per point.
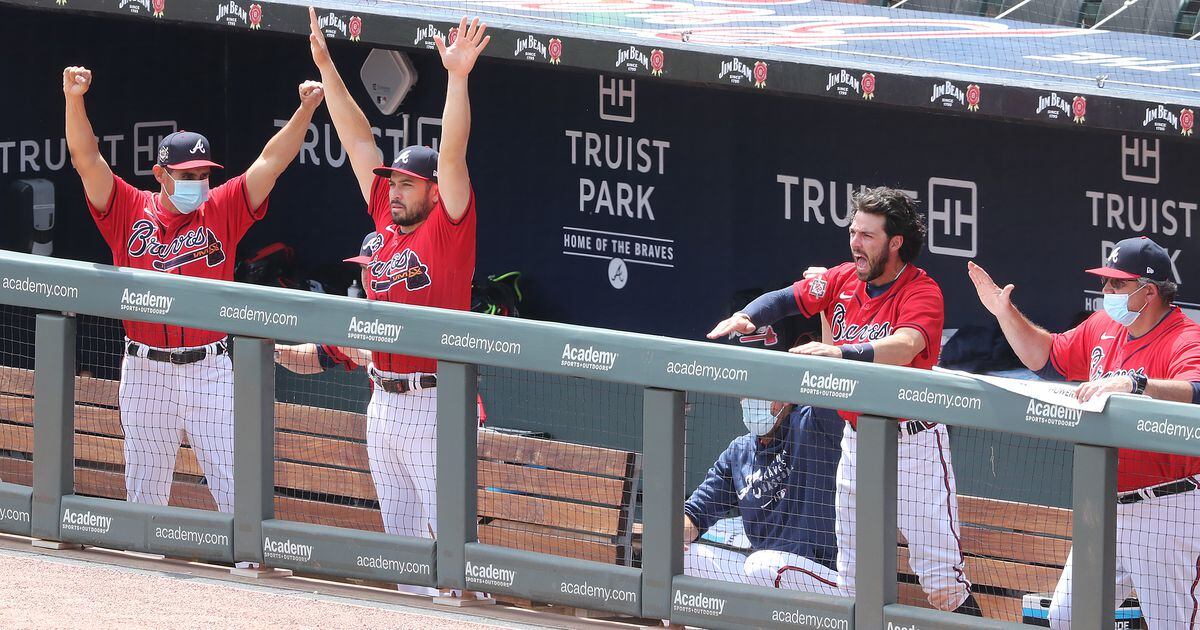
913 300
143 235
1100 347
430 266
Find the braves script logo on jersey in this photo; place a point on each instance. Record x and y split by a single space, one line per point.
197 244
854 333
403 268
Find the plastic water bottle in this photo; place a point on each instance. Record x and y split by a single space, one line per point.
355 291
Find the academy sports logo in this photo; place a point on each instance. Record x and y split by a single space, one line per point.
331 25
697 604
86 522
827 385
394 566
630 58
1050 413
842 83
286 550
946 93
531 48
1160 118
855 333
196 244
588 358
734 71
231 13
374 330
404 268
425 36
1053 106
490 575
147 302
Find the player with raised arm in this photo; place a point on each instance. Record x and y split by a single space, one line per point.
881 308
176 379
1139 343
423 207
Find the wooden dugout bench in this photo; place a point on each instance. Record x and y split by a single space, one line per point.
541 495
553 497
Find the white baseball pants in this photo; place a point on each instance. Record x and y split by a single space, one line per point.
926 513
767 568
1158 553
402 451
159 401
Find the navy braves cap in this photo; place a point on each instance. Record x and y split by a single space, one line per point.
1137 257
420 162
185 149
371 244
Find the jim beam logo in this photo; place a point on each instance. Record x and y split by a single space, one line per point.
555 49
333 26
631 59
1052 106
256 16
947 94
734 71
140 7
426 34
1160 118
698 604
843 83
531 48
231 13
868 85
760 74
1187 119
658 60
974 97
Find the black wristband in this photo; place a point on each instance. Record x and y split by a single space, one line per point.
323 358
1139 383
864 352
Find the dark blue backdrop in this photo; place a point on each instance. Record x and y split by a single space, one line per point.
698 192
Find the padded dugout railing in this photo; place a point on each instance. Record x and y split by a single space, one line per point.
664 367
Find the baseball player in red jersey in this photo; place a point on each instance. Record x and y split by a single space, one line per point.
423 207
881 308
1140 343
176 379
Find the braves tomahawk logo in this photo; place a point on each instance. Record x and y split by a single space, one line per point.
855 333
189 247
403 268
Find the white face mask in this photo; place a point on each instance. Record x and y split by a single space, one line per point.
757 416
189 194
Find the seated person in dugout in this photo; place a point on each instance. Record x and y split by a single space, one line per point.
780 478
1139 343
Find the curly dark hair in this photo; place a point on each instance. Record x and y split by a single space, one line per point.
901 217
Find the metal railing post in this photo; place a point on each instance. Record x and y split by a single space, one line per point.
254 444
875 551
662 499
457 470
54 423
1094 537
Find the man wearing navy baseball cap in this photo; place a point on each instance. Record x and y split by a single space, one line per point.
176 379
1139 343
423 207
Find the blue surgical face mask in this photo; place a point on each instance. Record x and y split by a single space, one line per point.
757 416
1117 307
189 194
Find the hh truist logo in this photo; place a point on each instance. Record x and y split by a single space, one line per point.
187 248
403 268
1140 159
953 217
854 333
618 99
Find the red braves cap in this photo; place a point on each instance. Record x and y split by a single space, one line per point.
371 244
185 149
417 161
1137 257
